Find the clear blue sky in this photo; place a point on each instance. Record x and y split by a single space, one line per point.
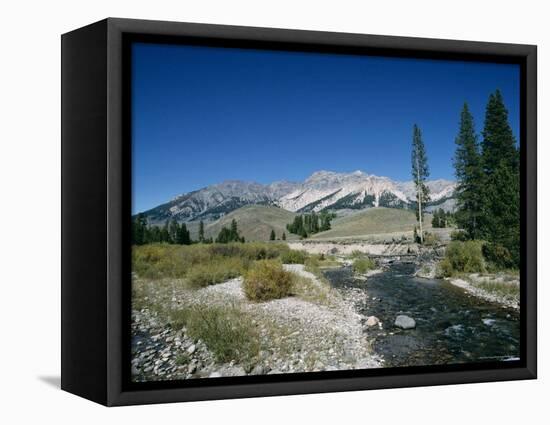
202 115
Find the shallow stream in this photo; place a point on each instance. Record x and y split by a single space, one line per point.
452 326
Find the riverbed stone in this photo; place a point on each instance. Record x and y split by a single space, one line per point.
372 321
405 322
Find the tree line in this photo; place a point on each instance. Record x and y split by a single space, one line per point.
273 236
488 191
173 232
230 234
308 224
442 218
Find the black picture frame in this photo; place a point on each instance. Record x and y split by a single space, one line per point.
96 190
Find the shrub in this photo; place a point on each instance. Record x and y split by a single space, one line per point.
293 257
363 265
200 264
356 254
226 331
215 272
251 251
267 280
312 263
505 290
499 257
431 239
459 235
311 291
462 257
157 261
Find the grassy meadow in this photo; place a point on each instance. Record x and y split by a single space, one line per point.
371 222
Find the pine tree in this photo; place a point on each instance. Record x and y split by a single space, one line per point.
173 231
469 175
154 234
201 231
234 231
284 236
272 235
325 218
501 191
224 236
420 173
229 235
139 229
314 223
436 219
182 236
499 144
165 234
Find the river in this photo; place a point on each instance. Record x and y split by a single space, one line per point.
452 326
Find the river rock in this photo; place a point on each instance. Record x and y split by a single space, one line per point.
372 321
259 370
231 371
404 322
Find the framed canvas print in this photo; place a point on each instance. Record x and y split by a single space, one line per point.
252 212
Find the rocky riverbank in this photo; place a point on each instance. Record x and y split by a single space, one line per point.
497 288
349 247
316 330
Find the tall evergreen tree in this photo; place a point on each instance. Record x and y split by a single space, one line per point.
229 235
499 144
234 231
154 234
182 235
139 230
500 161
284 236
469 175
272 235
164 233
224 236
201 231
420 173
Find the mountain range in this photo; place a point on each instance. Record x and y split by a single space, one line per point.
323 190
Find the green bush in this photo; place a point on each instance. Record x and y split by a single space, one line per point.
462 257
200 264
251 250
226 331
216 271
156 261
293 257
267 280
498 256
363 265
459 235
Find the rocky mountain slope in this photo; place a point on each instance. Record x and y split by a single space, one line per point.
322 190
